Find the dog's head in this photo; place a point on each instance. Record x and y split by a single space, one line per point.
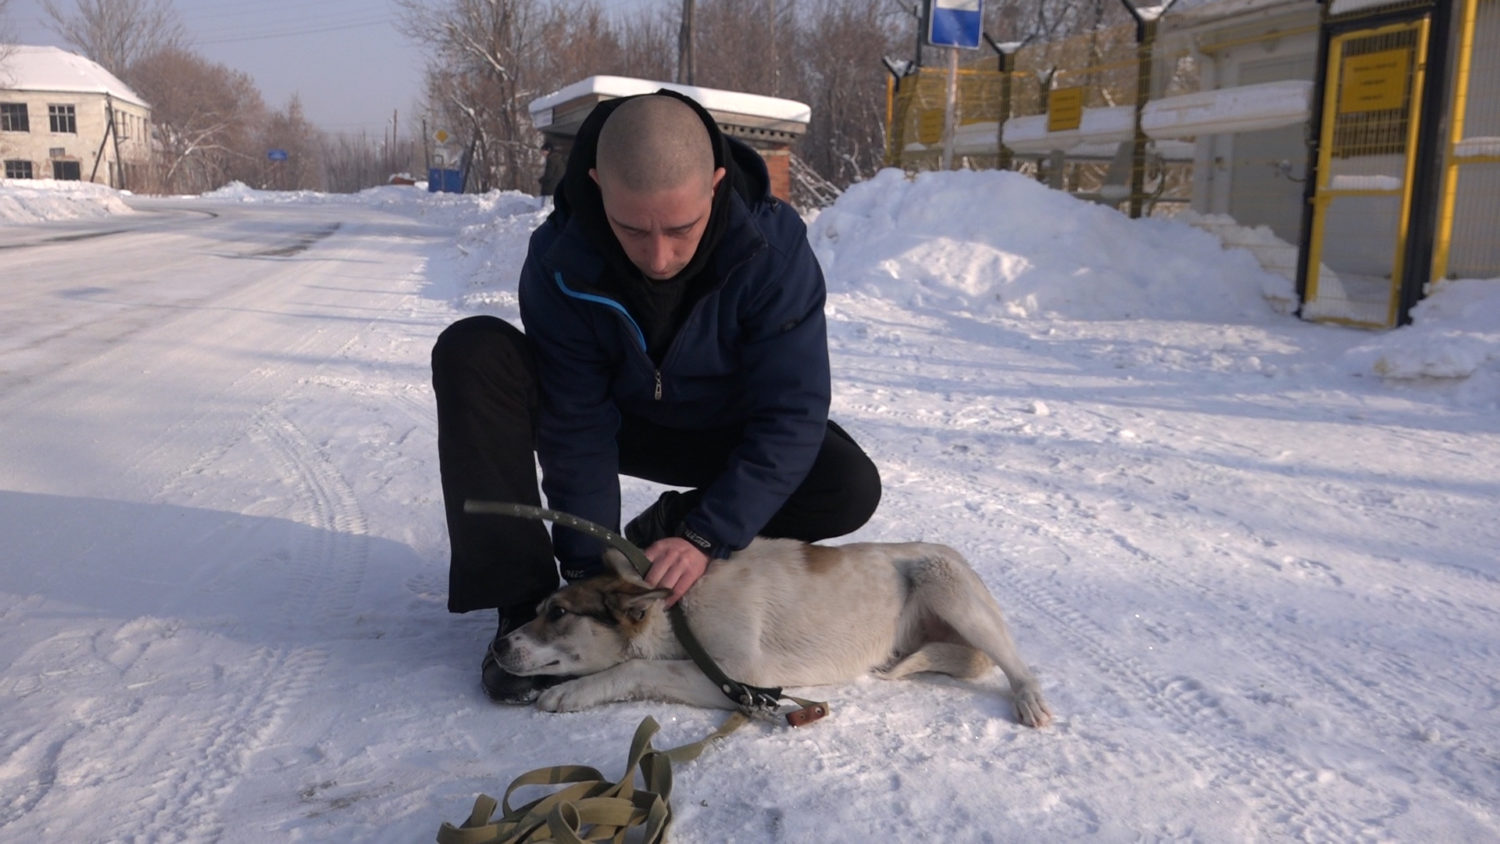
586 627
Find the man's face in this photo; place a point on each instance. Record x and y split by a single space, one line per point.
659 230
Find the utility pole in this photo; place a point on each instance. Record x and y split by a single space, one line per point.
686 62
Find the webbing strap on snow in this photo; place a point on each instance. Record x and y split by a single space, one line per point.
588 807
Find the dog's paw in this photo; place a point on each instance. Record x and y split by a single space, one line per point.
566 697
1031 709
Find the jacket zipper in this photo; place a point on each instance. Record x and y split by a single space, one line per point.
629 320
698 306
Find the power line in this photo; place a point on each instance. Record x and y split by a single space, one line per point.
305 17
262 9
301 30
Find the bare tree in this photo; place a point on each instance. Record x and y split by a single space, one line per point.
742 36
480 80
205 118
840 45
354 163
646 45
7 38
576 41
116 33
289 132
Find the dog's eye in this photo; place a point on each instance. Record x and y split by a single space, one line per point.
555 613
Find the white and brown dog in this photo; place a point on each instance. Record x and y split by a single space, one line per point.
780 613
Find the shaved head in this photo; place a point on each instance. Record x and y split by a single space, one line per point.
656 176
654 143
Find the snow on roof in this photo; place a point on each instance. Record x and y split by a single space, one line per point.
1240 109
1477 147
1245 108
1228 10
1340 7
1029 135
34 68
713 99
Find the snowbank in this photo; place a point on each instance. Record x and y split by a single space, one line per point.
1455 333
997 243
36 200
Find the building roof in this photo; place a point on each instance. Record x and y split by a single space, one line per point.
750 117
712 99
34 68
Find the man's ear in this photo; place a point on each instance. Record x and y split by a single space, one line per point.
594 174
718 177
634 605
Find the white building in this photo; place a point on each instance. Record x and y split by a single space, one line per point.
55 114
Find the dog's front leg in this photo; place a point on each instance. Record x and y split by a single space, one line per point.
675 681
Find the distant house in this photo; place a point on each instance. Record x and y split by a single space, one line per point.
55 113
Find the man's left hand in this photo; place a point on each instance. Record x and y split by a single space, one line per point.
676 564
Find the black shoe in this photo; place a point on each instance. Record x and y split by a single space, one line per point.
502 686
661 519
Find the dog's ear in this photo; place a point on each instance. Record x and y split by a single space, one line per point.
615 562
635 603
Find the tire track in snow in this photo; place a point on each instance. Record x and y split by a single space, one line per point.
1280 791
1277 790
187 795
327 571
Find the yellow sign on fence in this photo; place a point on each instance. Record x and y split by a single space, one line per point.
1064 109
1375 81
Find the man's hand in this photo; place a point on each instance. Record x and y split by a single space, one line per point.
676 564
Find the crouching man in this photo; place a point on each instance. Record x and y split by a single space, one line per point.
674 331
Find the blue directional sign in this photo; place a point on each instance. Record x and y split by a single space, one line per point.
276 154
955 23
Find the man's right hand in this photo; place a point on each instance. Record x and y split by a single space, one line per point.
676 564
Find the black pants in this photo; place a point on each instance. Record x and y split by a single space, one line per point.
485 382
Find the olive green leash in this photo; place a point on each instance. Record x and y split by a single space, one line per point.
588 807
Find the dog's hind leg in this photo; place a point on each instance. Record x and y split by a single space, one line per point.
951 658
944 586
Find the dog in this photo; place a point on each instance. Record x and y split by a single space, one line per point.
780 613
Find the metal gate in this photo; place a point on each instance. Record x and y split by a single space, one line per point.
1466 245
1362 205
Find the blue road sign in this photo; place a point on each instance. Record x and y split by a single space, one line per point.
276 154
955 23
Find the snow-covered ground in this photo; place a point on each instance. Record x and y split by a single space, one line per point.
1251 559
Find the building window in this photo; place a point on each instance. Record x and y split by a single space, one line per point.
63 119
13 118
67 171
18 170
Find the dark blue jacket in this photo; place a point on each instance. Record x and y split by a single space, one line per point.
753 352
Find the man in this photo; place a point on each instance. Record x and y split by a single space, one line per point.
674 332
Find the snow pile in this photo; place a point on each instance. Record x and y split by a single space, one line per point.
488 274
443 208
1455 333
997 243
36 200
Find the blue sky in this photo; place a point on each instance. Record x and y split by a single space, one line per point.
346 58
